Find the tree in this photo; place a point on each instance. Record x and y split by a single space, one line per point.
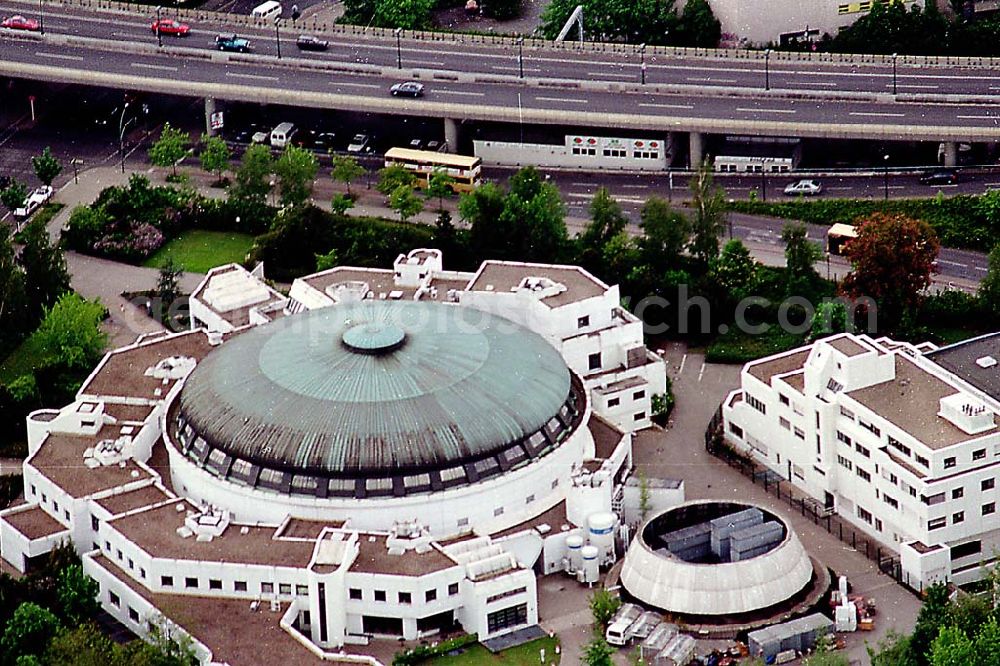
28 632
406 14
325 262
253 177
733 271
607 220
405 202
390 179
603 606
296 170
13 321
989 288
934 614
892 27
46 166
830 317
70 334
83 645
346 170
525 224
13 195
952 648
77 594
170 148
665 233
597 652
215 155
644 497
45 275
800 252
800 255
642 22
439 186
168 289
892 650
891 261
708 202
698 25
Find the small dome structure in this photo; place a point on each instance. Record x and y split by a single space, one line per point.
716 559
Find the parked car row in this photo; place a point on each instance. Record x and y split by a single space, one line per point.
34 201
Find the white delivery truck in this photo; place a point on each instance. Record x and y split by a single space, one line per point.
618 630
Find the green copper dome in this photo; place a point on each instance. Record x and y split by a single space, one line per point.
377 389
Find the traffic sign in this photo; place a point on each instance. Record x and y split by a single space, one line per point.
216 120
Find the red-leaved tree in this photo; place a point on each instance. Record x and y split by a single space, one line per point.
892 260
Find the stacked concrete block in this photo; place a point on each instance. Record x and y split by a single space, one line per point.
690 543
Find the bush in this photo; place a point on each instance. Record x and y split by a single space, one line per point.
735 346
425 652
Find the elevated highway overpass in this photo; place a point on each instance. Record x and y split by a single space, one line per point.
480 78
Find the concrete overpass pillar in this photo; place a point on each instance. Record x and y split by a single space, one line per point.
950 153
695 149
209 110
451 134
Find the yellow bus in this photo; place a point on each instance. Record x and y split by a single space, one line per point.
464 171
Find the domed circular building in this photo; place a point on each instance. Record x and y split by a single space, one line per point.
716 562
381 411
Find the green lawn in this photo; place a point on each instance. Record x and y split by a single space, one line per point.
21 361
524 655
196 251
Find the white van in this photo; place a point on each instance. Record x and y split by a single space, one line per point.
282 134
267 11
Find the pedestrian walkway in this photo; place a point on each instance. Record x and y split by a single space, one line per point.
93 277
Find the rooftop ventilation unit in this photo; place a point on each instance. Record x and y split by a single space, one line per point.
986 362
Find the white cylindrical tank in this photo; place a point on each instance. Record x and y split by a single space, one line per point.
574 543
601 534
591 565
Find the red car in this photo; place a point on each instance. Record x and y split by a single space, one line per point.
170 27
19 22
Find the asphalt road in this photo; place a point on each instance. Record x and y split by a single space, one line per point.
476 99
551 63
480 81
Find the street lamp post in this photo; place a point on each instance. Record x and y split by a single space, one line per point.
121 134
642 63
894 56
159 37
767 69
520 56
277 35
399 48
41 18
885 176
763 184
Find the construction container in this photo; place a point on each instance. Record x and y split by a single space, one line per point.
753 541
690 543
723 526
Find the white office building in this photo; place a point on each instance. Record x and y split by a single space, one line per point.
901 440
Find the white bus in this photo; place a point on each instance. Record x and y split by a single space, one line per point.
465 172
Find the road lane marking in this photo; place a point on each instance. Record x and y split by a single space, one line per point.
635 187
460 92
433 63
561 99
514 68
164 68
683 361
913 85
708 79
256 77
60 56
356 85
701 371
876 114
765 110
952 263
830 84
657 105
986 117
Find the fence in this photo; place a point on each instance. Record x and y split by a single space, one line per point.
773 483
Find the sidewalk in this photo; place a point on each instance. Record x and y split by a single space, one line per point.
93 277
